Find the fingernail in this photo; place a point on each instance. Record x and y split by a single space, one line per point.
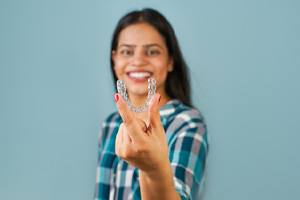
116 96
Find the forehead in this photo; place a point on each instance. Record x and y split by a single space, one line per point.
140 34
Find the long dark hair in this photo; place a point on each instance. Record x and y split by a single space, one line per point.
177 83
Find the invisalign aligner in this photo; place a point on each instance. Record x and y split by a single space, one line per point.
121 87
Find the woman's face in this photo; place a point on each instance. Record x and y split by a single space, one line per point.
141 53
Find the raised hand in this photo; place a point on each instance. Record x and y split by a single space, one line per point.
142 145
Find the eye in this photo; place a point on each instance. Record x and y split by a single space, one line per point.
152 52
126 52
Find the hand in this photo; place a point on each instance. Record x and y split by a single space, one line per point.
141 145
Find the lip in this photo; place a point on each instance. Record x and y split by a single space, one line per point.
138 80
127 72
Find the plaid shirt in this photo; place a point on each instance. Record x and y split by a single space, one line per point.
188 147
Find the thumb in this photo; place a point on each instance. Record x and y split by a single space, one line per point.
153 111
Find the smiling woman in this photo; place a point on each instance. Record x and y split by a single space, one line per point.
160 153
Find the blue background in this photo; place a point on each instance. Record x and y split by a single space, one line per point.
56 88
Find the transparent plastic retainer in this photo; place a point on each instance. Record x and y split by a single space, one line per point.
151 92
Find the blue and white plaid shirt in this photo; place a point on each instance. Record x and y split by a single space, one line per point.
188 148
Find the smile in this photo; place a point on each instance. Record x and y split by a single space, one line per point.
139 75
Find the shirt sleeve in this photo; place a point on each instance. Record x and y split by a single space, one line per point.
106 128
188 148
101 136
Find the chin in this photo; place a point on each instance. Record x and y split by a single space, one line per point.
138 91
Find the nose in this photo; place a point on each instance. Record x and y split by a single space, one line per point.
139 59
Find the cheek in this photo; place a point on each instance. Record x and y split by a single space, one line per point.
119 67
118 72
119 62
162 67
161 74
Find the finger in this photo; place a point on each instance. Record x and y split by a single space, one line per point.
121 128
119 141
144 126
153 112
130 122
123 109
126 137
126 148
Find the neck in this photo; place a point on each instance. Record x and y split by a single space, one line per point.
139 100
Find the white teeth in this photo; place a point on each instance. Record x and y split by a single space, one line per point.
139 74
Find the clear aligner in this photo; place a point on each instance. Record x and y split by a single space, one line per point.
121 87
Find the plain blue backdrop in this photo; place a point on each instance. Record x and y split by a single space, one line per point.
56 88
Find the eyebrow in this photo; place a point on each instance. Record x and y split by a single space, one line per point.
126 45
146 45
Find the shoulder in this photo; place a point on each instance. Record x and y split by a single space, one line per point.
111 120
185 116
109 127
185 122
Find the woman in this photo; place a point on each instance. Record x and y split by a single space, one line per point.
161 153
